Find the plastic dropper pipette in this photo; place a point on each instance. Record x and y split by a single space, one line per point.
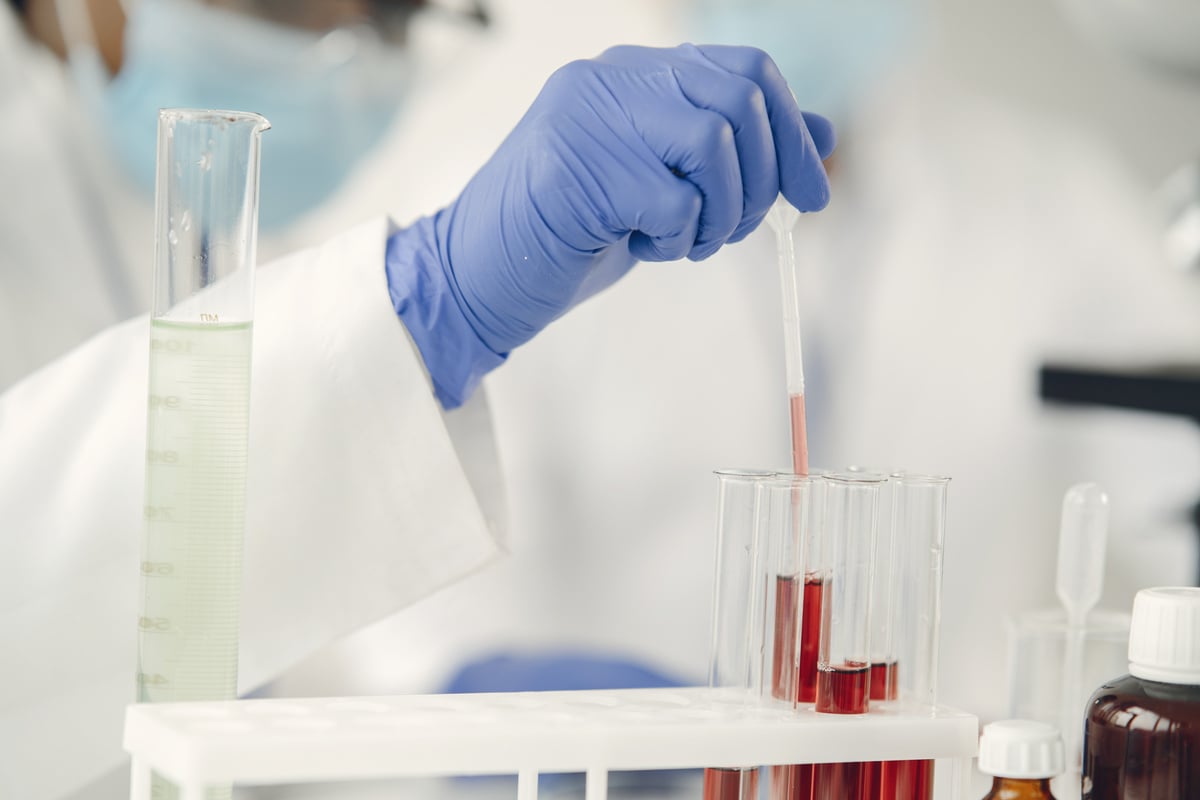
797 779
1080 577
782 218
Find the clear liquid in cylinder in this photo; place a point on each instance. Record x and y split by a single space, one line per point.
191 565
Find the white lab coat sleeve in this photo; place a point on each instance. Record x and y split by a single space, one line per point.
358 505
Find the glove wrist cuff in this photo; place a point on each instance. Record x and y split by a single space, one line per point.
455 357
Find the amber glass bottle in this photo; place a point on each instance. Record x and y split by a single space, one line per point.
1142 731
1021 756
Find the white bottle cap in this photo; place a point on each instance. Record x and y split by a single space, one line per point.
1021 748
1164 636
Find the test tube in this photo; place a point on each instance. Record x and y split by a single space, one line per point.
197 432
811 593
733 663
885 575
843 666
788 512
808 591
882 686
919 518
918 532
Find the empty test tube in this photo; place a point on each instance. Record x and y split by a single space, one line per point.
919 518
918 528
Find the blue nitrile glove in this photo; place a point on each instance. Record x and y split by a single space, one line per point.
642 153
556 671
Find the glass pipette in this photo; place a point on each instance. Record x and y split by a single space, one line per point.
782 218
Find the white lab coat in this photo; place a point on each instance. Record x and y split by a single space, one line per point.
359 501
71 259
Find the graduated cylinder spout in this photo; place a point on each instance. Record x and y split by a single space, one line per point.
206 214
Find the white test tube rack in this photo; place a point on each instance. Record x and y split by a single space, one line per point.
293 741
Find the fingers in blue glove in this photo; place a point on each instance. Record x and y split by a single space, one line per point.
822 133
654 154
764 146
802 177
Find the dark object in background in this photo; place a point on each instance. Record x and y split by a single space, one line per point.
1172 389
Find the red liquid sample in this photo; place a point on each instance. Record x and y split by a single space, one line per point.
883 680
904 780
1141 739
810 639
894 780
799 435
883 687
797 780
730 784
842 689
838 782
782 664
794 782
783 661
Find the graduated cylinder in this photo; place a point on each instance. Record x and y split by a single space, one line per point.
197 431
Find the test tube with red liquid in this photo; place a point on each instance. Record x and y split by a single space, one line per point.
788 510
913 609
798 599
788 506
882 686
884 577
734 658
844 659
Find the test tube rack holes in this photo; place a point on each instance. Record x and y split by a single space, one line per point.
275 741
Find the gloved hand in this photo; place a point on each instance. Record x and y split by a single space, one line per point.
652 154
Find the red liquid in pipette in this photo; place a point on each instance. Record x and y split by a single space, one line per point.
799 435
730 784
